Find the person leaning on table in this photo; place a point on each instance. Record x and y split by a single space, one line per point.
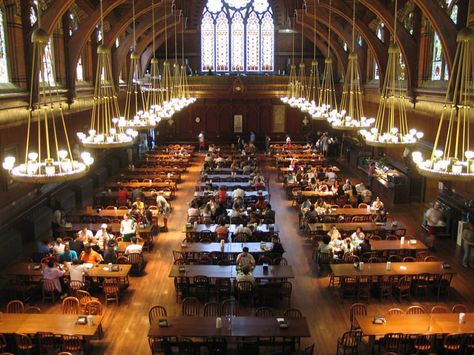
245 259
90 256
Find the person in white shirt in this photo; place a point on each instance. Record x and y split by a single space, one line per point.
238 192
377 204
334 233
58 247
127 228
243 229
331 176
245 259
77 271
358 235
133 248
164 208
360 187
84 234
103 236
245 275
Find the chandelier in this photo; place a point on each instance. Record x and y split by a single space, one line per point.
107 130
456 160
186 96
301 89
351 117
52 159
134 117
327 95
391 129
291 91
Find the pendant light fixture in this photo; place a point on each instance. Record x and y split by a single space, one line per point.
391 125
105 130
48 155
312 99
351 117
291 94
187 98
135 114
176 101
167 110
327 97
301 79
454 161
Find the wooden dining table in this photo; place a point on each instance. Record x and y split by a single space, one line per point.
246 186
397 245
141 185
230 271
200 228
397 269
57 324
114 228
231 327
229 248
352 226
412 324
249 195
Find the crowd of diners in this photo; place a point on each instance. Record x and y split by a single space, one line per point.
94 250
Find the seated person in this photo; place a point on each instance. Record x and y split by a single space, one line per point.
133 248
366 196
277 249
377 204
67 255
222 232
245 275
268 214
109 253
238 192
90 256
193 212
325 247
243 229
261 204
77 244
58 246
347 246
305 206
221 195
333 233
139 205
51 272
331 175
84 234
365 247
43 247
245 259
77 271
102 236
347 186
259 184
360 187
358 234
320 204
312 215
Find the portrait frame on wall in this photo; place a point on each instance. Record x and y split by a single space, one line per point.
278 121
238 123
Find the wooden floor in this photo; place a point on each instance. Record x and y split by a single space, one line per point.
126 326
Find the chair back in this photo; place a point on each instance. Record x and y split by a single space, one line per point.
459 308
391 342
122 260
94 308
308 350
110 286
70 305
212 309
229 308
23 342
75 285
395 311
351 339
33 310
191 307
48 285
453 342
264 312
439 309
357 309
155 313
15 306
415 310
293 313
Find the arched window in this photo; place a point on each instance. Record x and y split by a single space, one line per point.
4 75
48 64
79 70
237 35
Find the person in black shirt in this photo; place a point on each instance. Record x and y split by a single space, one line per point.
109 253
365 247
77 245
277 249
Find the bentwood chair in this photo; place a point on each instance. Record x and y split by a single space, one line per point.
229 308
439 309
415 310
452 343
212 309
48 343
23 343
191 307
391 342
95 308
403 287
48 290
72 343
357 309
15 306
155 313
293 313
3 342
349 342
264 312
424 343
395 311
70 305
111 290
159 346
459 308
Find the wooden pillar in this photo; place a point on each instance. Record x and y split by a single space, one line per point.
69 77
414 67
14 46
59 53
425 57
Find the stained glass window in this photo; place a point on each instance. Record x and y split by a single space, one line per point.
237 35
380 31
79 70
33 17
376 71
437 66
48 65
4 77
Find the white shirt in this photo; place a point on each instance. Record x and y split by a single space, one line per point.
76 272
331 175
85 235
58 249
133 248
238 193
288 140
52 273
127 226
242 229
245 260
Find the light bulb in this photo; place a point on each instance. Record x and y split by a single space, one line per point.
62 154
32 156
438 153
469 154
92 132
85 155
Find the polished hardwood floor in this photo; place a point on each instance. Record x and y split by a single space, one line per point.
126 326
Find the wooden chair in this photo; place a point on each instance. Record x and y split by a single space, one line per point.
395 311
70 305
223 289
156 313
138 263
392 237
181 287
391 342
33 310
159 346
421 284
424 343
191 307
357 309
416 310
280 261
212 309
452 343
48 290
111 290
364 287
439 309
363 205
264 259
72 343
205 260
408 259
285 290
201 286
229 308
349 341
459 308
3 342
375 237
347 206
348 287
15 306
23 343
385 287
244 291
75 285
443 285
293 313
240 238
84 297
264 312
430 258
48 342
94 308
403 287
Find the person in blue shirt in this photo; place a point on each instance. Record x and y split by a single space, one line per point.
67 255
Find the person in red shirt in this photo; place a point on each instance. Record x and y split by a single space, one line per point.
222 195
122 195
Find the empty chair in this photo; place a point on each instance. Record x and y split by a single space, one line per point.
280 261
452 343
244 291
111 290
421 284
357 309
285 290
424 343
70 305
159 345
137 261
443 285
415 310
181 287
48 342
229 308
15 306
293 313
439 309
94 308
431 258
201 287
385 287
403 287
264 312
32 310
459 308
72 343
155 313
349 341
364 287
223 289
395 311
3 342
84 297
409 259
23 343
390 342
212 309
395 258
191 307
392 237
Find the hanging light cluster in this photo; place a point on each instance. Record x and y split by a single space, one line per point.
351 117
391 125
456 160
292 88
136 114
107 130
52 159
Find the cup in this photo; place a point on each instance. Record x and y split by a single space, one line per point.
218 323
462 318
361 266
402 240
388 267
90 320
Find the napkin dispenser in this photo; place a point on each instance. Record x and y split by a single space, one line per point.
265 268
282 323
163 323
379 320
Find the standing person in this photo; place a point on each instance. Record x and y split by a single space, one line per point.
288 141
324 144
57 221
434 220
201 141
370 175
468 238
267 143
252 137
127 228
164 209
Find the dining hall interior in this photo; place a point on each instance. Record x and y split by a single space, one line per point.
267 177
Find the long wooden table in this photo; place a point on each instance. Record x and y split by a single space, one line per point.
58 324
246 186
141 185
352 226
240 327
412 324
263 229
249 195
229 248
114 228
229 271
397 245
397 269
